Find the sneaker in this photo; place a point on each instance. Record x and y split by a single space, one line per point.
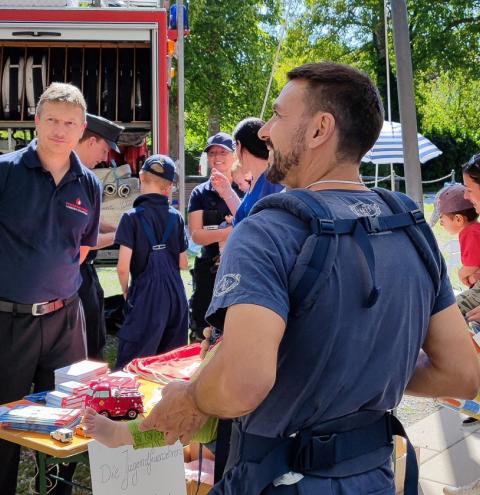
470 422
472 489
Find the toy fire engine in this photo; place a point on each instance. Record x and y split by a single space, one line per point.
113 401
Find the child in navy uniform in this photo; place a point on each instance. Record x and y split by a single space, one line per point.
153 245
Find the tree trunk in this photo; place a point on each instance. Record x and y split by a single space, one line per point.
213 123
381 66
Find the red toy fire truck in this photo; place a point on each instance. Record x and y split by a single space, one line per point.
113 401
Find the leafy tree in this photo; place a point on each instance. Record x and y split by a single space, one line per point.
228 58
447 106
444 35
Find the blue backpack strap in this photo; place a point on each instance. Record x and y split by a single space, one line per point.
320 250
315 261
420 234
355 227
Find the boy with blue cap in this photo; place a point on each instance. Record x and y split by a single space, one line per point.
153 245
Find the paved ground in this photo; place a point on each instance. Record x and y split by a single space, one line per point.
449 453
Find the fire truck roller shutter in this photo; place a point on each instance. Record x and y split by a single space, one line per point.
125 84
57 65
75 67
90 79
143 88
109 83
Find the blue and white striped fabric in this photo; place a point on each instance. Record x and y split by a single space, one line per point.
389 147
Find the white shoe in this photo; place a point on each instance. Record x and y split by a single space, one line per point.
471 489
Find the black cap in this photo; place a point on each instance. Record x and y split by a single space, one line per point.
106 129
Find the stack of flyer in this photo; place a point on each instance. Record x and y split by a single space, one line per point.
62 399
83 371
40 419
122 379
73 388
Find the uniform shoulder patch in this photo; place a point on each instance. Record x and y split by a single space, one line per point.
227 283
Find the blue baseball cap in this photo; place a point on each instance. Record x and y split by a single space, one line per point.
221 139
161 166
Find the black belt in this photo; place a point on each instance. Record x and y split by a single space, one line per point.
37 309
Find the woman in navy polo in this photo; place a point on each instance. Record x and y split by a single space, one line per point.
206 211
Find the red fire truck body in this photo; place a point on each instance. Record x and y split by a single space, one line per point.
114 402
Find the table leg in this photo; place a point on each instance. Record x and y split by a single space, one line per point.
42 474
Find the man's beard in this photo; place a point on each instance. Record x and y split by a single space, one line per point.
282 164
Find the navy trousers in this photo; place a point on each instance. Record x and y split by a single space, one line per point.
31 348
156 319
91 294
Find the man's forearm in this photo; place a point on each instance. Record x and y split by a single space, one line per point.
123 279
205 237
213 395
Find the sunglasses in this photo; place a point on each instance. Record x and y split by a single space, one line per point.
473 162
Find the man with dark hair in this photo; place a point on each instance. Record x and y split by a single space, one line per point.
100 136
311 379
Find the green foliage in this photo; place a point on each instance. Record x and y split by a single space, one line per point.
228 58
447 107
231 48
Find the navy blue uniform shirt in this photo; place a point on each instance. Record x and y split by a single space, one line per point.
204 197
131 234
42 226
262 188
337 357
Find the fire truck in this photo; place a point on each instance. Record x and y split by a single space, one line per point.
117 56
118 52
113 401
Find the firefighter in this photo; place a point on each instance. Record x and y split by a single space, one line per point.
49 214
206 212
99 138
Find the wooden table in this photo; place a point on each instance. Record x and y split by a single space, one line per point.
59 452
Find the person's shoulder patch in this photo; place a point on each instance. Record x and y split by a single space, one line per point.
228 282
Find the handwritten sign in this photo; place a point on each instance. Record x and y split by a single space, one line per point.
157 471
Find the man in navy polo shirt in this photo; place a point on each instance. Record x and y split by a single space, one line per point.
311 380
49 214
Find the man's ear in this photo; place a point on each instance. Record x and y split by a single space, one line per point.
320 129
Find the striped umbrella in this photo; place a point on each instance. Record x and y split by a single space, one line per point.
389 147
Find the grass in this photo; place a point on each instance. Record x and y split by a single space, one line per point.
111 286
